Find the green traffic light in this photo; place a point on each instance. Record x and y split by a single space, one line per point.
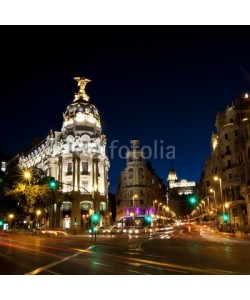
53 183
192 200
225 217
148 219
95 217
1 223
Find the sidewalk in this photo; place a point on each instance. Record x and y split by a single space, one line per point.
214 234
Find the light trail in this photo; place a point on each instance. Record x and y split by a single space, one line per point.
45 268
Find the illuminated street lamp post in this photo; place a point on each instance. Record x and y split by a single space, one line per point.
226 211
155 211
27 175
167 209
214 196
134 196
203 203
11 217
38 213
216 178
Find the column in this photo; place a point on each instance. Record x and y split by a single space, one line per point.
78 173
74 173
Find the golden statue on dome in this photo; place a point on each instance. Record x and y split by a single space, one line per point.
82 82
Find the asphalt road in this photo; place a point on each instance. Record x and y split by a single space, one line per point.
182 251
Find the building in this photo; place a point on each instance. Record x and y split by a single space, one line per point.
225 181
76 158
178 193
140 191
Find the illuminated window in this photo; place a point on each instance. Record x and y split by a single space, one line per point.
103 206
86 205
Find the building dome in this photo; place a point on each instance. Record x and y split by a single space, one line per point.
81 116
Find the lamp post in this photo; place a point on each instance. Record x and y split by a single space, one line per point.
11 217
155 211
167 209
214 196
134 196
226 210
216 178
27 175
38 213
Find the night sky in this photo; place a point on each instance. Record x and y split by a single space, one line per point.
154 83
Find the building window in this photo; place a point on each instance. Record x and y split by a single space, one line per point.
84 167
229 164
226 136
234 212
67 206
86 205
102 206
85 146
236 133
227 151
69 168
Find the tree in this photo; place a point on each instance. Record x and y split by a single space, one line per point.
29 197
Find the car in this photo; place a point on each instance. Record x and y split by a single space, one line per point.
53 232
104 230
149 229
135 230
116 230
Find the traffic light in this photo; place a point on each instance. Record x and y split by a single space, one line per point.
148 219
193 200
1 223
53 184
95 218
2 178
225 217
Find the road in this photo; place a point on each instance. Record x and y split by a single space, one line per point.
182 251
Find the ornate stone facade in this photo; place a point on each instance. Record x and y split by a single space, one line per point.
139 187
76 157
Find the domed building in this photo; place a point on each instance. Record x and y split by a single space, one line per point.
140 191
76 158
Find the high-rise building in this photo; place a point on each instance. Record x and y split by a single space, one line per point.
76 158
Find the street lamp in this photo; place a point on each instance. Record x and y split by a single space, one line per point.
11 217
134 196
167 209
213 191
216 178
38 213
27 175
203 206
